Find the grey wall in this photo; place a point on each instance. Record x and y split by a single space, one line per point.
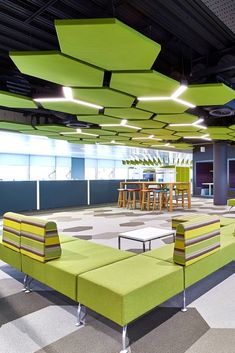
18 196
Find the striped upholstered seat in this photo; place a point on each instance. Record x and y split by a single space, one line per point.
196 239
11 230
39 239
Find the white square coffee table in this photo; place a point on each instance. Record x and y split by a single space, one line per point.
144 235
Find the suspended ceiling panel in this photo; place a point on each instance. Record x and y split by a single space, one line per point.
157 132
12 100
144 83
134 134
121 128
69 107
78 135
162 107
220 136
100 132
98 119
232 127
185 128
105 97
56 67
185 146
148 124
218 130
171 137
116 138
208 94
128 113
176 118
106 43
38 133
54 128
191 133
6 125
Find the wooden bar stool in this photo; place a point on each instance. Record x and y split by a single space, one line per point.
181 194
158 199
146 199
133 196
122 197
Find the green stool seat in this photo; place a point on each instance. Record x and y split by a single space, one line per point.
231 203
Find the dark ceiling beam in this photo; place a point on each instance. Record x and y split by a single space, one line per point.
40 11
167 20
213 70
16 26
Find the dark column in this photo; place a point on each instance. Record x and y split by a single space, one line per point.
220 173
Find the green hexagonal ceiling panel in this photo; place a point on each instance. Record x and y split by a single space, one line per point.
128 113
218 130
38 133
12 100
120 128
208 94
144 83
116 138
107 43
157 132
191 133
220 136
56 67
6 125
54 128
77 135
162 107
171 137
100 132
105 97
185 146
69 107
98 119
147 124
184 128
133 134
176 118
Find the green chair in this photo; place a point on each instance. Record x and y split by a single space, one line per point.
231 203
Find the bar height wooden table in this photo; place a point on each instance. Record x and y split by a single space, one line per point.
170 185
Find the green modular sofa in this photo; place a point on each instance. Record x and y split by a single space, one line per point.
119 285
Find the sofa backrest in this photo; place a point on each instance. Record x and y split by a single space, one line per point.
11 230
39 239
175 221
196 239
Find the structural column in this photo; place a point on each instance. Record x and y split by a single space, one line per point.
220 173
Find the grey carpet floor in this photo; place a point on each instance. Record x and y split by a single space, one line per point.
44 320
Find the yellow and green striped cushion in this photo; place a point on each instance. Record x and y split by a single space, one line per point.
11 230
196 239
39 239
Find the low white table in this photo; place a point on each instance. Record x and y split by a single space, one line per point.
146 235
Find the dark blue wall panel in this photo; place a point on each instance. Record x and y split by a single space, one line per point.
69 193
103 191
78 168
17 196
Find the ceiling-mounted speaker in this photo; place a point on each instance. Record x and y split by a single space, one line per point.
202 149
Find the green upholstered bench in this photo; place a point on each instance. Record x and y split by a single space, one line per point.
128 289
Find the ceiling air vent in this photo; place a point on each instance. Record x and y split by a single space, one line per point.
220 112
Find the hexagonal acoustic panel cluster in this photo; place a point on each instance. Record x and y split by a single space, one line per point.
106 77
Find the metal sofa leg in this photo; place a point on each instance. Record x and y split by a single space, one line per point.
184 307
125 341
81 315
27 282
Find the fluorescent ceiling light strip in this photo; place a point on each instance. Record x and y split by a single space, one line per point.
91 105
179 91
68 93
181 101
149 99
146 138
133 127
200 126
50 100
124 122
107 125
